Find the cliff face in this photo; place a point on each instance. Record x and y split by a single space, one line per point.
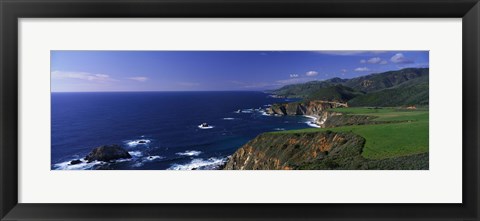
302 108
325 150
281 151
318 109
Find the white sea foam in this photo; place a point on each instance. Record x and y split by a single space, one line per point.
134 143
200 164
81 166
228 118
122 160
137 164
204 128
154 157
190 153
312 123
136 153
146 159
264 113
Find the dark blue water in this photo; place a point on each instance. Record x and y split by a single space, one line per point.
168 123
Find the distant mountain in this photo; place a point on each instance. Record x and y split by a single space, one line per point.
375 82
334 93
301 90
393 88
413 92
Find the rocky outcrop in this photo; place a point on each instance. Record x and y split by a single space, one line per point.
280 151
107 153
325 118
303 108
75 162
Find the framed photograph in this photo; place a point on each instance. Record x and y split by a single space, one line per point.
254 110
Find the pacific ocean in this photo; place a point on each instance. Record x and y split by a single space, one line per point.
160 129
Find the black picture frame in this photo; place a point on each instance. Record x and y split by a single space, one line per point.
12 10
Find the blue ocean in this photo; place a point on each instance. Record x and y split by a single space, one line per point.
160 130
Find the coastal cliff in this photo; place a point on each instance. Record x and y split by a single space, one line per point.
303 108
325 150
277 151
319 110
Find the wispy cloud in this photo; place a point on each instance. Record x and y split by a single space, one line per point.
139 79
311 73
361 69
399 58
374 60
294 75
81 76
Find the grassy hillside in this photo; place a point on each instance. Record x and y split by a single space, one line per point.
407 136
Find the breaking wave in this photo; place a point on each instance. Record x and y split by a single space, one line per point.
134 143
80 166
200 164
190 153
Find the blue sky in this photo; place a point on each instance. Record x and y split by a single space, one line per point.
81 71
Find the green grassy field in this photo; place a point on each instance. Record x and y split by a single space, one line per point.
385 140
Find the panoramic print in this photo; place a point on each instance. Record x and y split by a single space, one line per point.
239 110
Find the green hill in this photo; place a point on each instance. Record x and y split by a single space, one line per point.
334 93
393 88
414 92
375 82
301 90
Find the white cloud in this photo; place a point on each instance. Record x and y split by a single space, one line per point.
374 60
294 75
360 69
311 73
139 79
344 70
81 76
399 58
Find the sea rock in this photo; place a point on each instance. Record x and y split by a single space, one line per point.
74 162
107 153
